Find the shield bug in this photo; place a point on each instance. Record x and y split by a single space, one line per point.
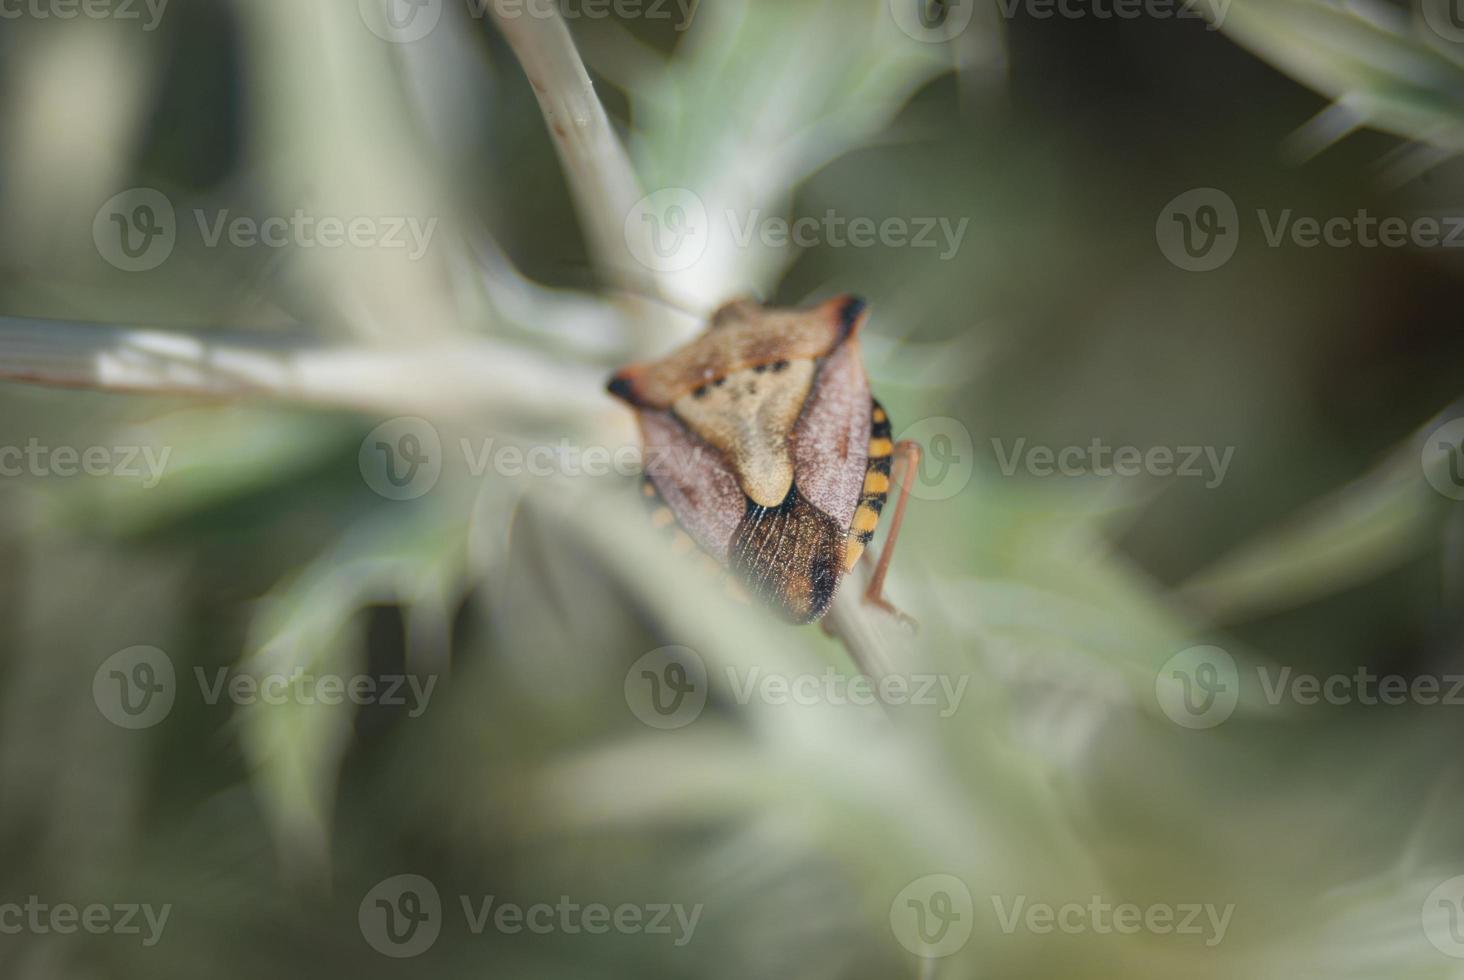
767 450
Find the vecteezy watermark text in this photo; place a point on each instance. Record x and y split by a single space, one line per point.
1100 916
305 230
41 918
1100 459
405 21
935 915
942 21
1362 687
667 688
122 10
1211 12
300 686
939 691
1200 230
1200 687
672 229
144 463
138 229
402 917
403 459
136 688
834 230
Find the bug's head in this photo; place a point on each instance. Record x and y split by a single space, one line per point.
742 336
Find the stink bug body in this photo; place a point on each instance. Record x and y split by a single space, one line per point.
784 457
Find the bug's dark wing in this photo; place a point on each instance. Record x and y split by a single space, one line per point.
792 556
831 440
694 480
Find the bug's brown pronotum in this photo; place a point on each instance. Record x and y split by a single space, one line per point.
778 460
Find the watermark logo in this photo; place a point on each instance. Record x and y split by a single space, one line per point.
947 457
1445 18
669 230
933 916
1442 916
401 917
667 688
135 688
1199 687
400 21
1443 459
1199 230
401 459
136 230
933 21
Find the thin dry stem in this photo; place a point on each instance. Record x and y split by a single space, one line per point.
604 184
476 378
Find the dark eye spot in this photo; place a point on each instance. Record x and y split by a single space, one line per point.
760 368
719 382
849 315
779 366
700 392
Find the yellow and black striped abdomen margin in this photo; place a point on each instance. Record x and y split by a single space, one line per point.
876 486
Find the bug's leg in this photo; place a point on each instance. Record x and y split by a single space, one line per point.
908 466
